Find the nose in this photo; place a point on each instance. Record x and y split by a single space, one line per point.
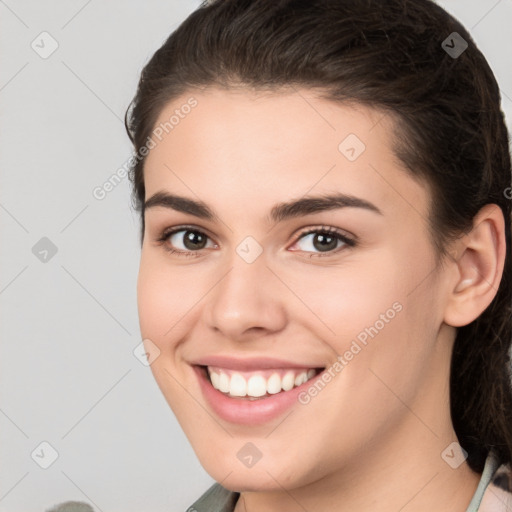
247 302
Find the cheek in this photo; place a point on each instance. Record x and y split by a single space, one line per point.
341 302
376 314
387 329
165 298
165 295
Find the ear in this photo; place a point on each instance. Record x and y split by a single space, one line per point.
478 264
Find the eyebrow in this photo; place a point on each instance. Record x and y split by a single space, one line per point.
282 211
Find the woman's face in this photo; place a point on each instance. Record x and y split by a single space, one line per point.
301 245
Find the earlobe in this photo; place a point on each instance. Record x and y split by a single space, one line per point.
479 267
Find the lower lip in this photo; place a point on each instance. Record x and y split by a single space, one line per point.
244 411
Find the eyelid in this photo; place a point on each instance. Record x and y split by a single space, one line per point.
328 229
167 232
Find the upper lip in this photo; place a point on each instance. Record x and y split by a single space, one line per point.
250 364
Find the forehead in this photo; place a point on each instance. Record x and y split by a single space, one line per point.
268 144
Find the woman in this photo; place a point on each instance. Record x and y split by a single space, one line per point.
324 286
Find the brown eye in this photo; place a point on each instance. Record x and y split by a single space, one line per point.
187 240
326 240
193 240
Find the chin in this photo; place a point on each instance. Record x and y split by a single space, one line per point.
247 482
261 477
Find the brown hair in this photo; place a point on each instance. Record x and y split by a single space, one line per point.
449 131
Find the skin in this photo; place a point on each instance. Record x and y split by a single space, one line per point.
376 432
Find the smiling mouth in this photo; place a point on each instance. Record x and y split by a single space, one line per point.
259 384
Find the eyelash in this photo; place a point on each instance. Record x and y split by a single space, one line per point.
328 230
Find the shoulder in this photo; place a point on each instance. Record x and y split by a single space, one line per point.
215 499
72 506
498 494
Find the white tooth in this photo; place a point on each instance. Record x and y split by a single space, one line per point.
311 373
301 378
215 379
256 386
274 384
237 385
224 383
288 381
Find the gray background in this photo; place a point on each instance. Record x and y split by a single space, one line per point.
69 324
